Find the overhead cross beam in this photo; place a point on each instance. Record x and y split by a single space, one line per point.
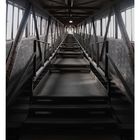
55 1
88 2
64 13
73 8
62 16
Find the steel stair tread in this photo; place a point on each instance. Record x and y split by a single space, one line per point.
89 121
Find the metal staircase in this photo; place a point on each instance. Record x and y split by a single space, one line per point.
59 113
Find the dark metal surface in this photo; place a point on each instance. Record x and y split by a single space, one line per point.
70 84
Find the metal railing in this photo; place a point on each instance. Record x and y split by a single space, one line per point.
32 62
106 43
106 70
31 69
107 61
44 56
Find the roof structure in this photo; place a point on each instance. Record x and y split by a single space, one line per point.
75 10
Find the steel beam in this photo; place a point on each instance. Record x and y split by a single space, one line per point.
96 40
37 34
116 28
101 32
12 56
106 32
12 30
73 8
47 31
125 37
6 17
77 13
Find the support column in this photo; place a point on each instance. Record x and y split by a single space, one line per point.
37 34
106 32
96 40
47 32
46 38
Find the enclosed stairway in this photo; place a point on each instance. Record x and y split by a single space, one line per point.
70 99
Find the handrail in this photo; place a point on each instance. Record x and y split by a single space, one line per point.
107 59
129 94
41 41
35 57
21 81
37 73
98 51
24 78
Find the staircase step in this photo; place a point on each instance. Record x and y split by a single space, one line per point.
68 114
51 101
65 122
70 100
70 53
73 49
20 108
70 107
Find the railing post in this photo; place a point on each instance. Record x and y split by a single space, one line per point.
48 50
106 59
97 58
34 62
107 68
45 51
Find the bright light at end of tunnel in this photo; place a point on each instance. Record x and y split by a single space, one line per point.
70 21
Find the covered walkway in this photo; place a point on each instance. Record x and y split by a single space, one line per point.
70 70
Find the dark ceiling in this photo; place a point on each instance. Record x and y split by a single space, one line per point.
75 10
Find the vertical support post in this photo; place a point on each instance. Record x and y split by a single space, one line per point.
34 63
89 39
37 34
45 52
6 17
106 60
107 68
41 26
95 37
55 33
97 57
46 36
84 30
18 19
52 43
47 32
12 30
49 50
106 32
116 28
27 28
101 31
43 55
86 45
57 30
